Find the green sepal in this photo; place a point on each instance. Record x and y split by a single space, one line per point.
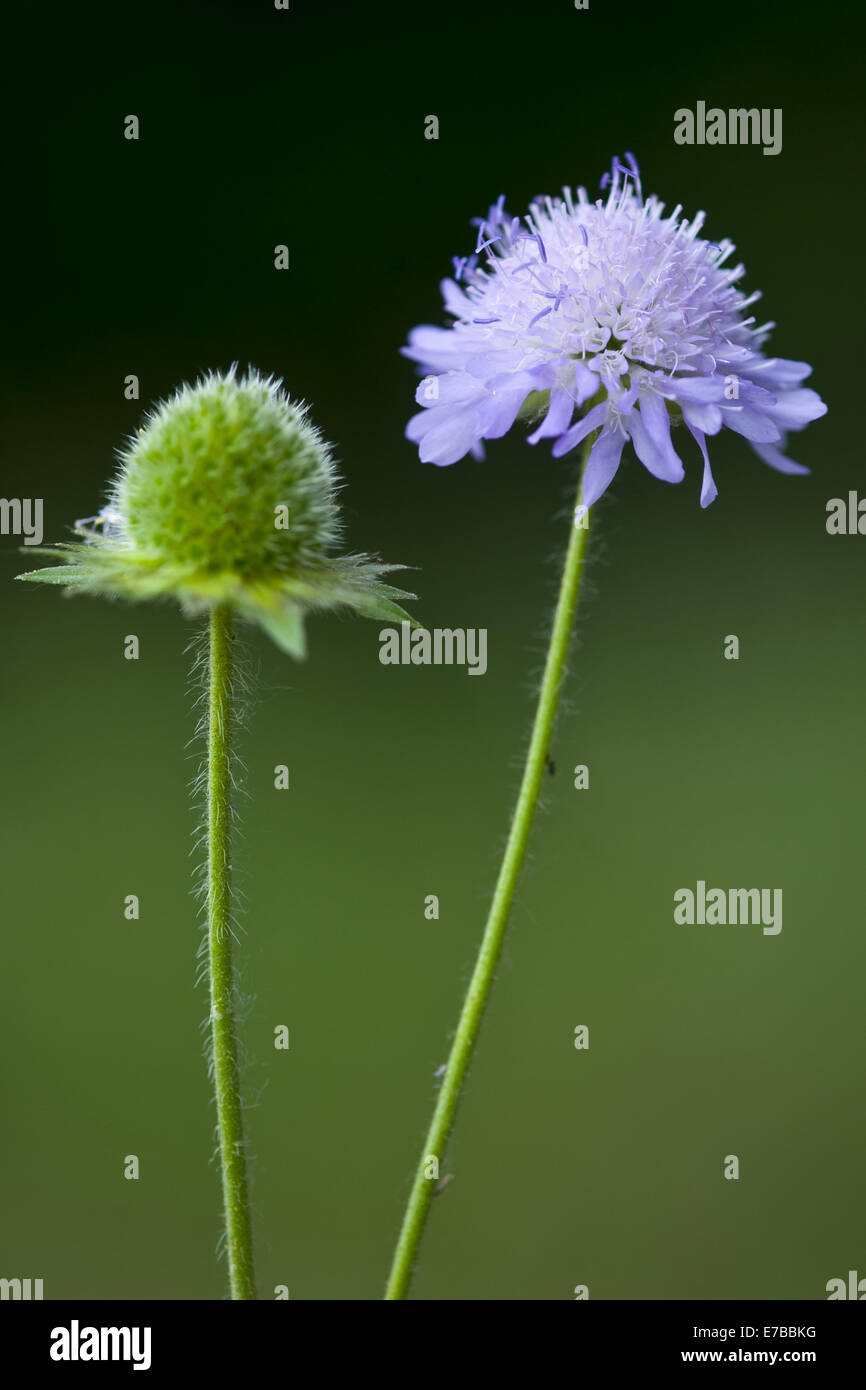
286 628
534 407
55 574
373 605
278 603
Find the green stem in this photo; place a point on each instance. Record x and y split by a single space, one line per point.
442 1123
230 1123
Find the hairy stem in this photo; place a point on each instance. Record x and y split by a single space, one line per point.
477 995
224 1042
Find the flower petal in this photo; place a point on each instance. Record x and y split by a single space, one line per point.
780 369
585 383
650 430
444 434
601 465
580 430
795 409
700 389
457 302
498 411
752 424
709 491
498 360
558 417
706 418
450 388
776 459
437 348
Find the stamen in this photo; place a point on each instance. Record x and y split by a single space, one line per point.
533 236
483 245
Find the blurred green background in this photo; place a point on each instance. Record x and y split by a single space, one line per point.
156 258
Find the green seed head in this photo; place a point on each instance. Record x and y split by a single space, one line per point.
229 477
227 496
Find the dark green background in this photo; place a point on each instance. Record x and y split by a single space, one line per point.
156 258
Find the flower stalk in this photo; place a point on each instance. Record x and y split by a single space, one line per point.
480 985
224 1050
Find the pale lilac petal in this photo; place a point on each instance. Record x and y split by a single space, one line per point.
654 434
752 424
603 461
706 418
557 419
425 421
700 389
709 491
491 363
457 302
781 370
585 383
795 409
499 411
754 396
444 435
451 388
646 450
776 459
436 348
580 430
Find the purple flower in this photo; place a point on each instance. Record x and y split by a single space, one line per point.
610 306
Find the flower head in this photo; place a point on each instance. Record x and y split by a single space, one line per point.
612 306
226 495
